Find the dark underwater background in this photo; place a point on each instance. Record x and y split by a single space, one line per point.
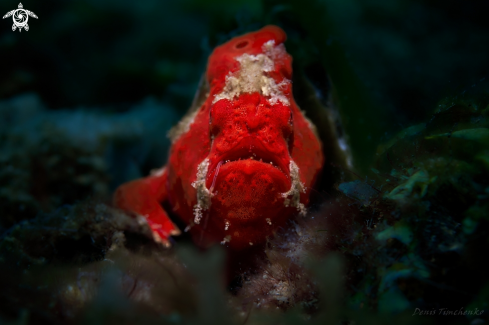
88 94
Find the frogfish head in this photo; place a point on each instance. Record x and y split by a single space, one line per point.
249 171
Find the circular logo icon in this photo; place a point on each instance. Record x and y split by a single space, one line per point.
20 17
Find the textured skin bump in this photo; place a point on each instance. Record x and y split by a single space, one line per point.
247 159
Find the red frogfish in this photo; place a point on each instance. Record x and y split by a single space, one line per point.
242 162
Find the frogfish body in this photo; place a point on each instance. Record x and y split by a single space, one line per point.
243 162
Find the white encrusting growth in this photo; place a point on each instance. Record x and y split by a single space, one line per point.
183 126
158 172
203 194
226 225
296 188
252 76
226 239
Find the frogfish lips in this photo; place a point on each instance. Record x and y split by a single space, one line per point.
247 201
247 183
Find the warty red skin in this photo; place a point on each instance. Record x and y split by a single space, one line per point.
246 204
